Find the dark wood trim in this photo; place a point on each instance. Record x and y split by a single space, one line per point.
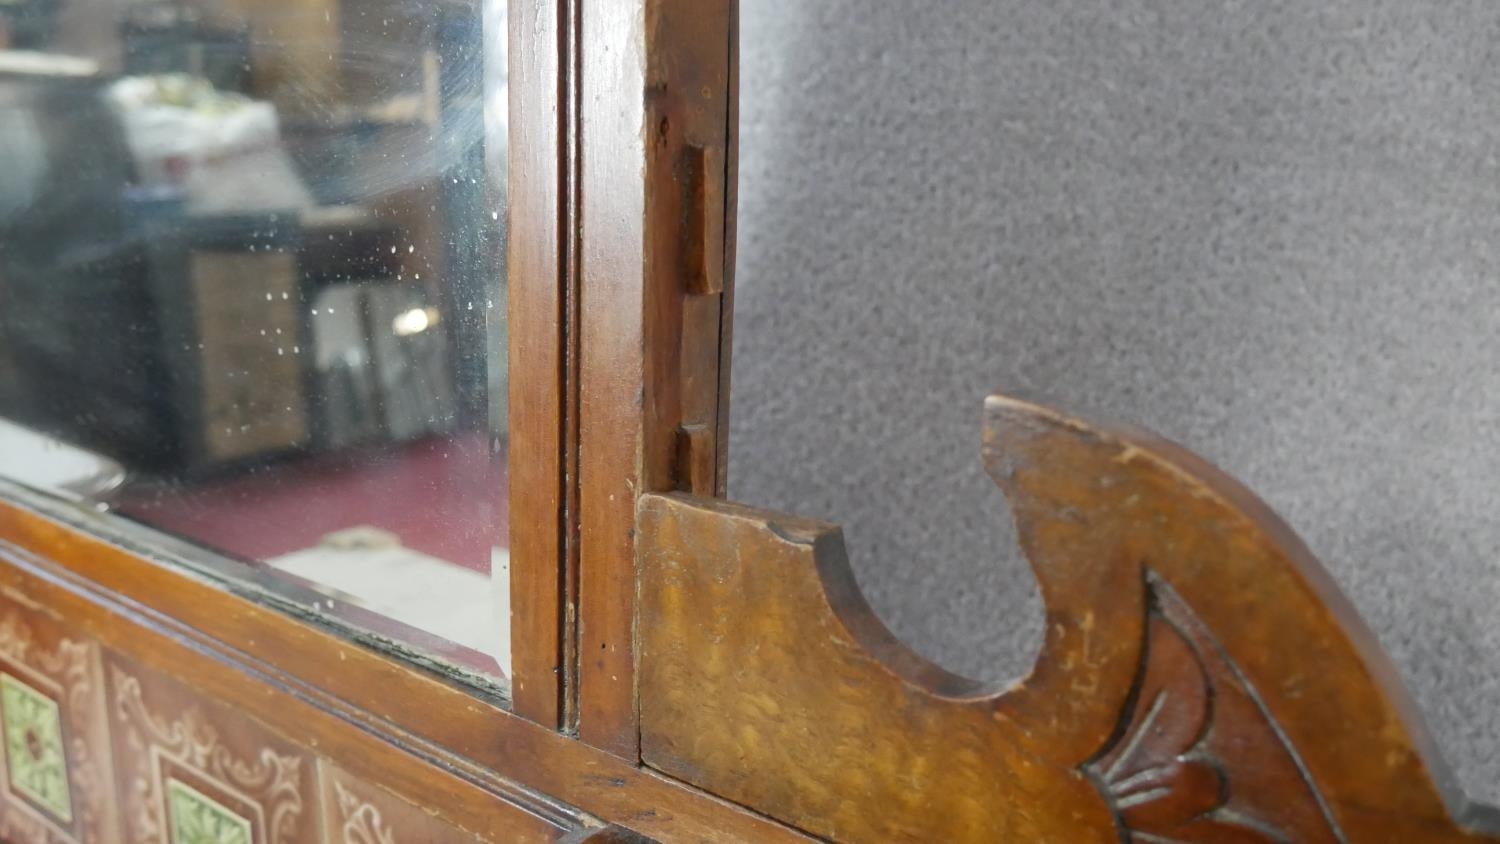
613 345
570 33
540 441
731 247
655 81
366 711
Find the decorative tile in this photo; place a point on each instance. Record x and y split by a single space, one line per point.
196 818
36 761
52 734
96 746
202 773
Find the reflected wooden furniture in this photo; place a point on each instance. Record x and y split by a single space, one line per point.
687 669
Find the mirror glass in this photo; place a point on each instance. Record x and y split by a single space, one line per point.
252 291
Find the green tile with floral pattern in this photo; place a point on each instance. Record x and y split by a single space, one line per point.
199 819
34 754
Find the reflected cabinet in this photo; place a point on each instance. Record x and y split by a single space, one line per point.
364 386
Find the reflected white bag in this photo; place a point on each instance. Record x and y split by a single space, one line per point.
222 149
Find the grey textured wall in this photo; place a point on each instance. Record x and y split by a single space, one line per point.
1268 230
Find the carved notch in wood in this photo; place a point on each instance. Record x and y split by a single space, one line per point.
703 251
1201 679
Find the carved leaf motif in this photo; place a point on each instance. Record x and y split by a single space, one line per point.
1196 746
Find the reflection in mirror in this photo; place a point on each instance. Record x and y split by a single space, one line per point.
251 290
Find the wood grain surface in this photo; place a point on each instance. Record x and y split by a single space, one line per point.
1202 679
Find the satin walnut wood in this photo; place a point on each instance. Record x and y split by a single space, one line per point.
1201 678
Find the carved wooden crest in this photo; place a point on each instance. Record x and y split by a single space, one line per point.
1201 680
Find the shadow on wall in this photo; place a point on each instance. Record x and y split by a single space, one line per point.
1268 232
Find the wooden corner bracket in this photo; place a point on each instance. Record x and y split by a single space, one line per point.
1202 679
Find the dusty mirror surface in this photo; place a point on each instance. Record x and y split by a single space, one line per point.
252 291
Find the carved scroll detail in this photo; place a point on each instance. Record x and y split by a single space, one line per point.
1194 740
362 821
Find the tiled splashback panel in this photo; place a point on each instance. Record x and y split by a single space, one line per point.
99 748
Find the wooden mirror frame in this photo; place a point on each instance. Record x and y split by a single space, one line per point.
643 187
691 670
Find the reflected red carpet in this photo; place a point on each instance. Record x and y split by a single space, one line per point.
443 497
